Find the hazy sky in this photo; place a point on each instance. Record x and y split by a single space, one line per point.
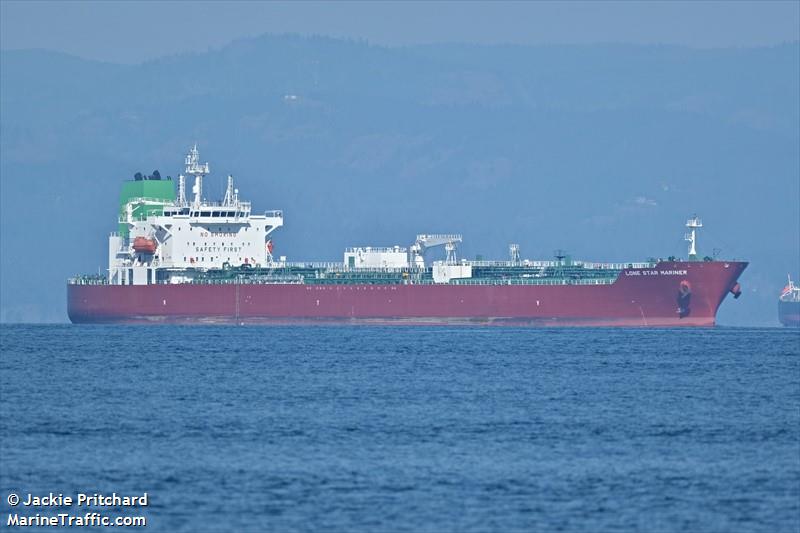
136 31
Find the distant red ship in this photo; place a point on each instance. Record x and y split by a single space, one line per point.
789 305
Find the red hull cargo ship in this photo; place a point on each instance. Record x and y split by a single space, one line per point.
176 259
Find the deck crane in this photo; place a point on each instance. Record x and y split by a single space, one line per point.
426 241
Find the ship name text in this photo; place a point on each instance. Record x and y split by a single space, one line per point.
655 272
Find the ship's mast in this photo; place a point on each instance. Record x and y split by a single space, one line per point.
198 170
693 224
450 249
230 193
181 201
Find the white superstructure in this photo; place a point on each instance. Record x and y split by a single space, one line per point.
400 257
376 257
190 236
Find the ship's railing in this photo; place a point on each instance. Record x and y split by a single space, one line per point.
555 264
149 199
88 280
241 208
366 270
123 219
205 204
377 281
193 216
505 264
508 264
378 249
533 281
614 266
342 267
336 267
310 264
282 280
463 281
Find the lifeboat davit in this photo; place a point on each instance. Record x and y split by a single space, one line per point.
143 245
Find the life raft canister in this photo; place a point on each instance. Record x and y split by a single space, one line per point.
143 245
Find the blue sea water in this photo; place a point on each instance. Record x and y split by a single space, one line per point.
408 428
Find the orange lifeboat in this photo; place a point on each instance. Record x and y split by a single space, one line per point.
143 245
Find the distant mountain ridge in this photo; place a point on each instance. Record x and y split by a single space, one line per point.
602 150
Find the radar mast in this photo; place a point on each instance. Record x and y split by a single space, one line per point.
693 224
198 170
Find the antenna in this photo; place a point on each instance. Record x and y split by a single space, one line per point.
197 170
230 193
450 248
181 190
693 224
513 251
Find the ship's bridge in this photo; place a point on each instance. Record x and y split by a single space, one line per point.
189 236
210 209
